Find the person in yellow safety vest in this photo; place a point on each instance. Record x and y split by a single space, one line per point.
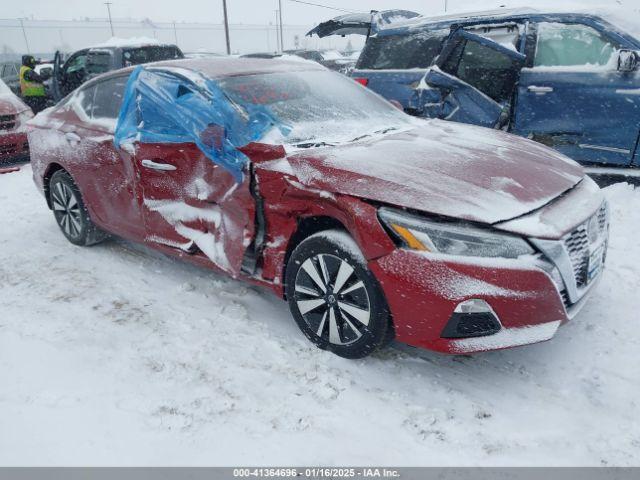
31 85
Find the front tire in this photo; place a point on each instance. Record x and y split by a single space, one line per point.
334 298
70 211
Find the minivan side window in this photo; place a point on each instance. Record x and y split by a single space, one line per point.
492 72
569 45
401 52
108 98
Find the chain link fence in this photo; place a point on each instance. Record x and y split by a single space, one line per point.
42 38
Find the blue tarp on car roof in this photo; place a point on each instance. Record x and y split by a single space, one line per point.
162 106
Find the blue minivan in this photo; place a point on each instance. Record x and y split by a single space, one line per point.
569 81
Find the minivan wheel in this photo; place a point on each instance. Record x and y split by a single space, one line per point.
334 298
70 212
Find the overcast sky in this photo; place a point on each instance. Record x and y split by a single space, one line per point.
247 11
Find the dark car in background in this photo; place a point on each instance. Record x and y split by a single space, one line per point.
89 62
566 80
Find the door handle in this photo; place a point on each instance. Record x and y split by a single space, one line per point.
163 167
72 137
540 90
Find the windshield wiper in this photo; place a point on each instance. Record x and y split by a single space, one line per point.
377 132
314 144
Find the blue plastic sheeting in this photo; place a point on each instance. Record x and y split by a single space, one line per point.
164 107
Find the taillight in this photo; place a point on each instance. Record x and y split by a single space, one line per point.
362 81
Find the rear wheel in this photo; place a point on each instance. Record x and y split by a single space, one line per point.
70 212
335 300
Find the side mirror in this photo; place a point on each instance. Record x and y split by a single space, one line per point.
627 61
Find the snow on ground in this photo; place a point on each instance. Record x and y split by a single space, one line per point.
116 355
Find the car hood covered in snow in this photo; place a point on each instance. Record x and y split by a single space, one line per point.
443 168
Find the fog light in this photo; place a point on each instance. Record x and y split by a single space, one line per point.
471 318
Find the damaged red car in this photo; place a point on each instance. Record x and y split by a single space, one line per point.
371 224
14 114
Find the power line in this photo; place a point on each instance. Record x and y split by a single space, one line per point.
326 6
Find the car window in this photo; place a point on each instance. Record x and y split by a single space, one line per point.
98 62
108 98
76 63
9 70
137 56
567 45
401 51
506 35
84 100
492 72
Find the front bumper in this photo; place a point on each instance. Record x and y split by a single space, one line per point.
526 299
13 145
423 291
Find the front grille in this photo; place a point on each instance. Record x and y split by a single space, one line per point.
578 244
565 298
8 149
603 217
7 122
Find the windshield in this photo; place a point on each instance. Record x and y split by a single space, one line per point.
318 106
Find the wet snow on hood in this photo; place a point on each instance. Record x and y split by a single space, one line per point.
444 168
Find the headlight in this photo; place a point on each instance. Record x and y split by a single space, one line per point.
418 233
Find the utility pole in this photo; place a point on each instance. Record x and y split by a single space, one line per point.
175 32
108 4
445 5
281 35
226 26
277 34
24 33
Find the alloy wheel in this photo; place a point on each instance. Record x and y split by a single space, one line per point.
332 299
67 210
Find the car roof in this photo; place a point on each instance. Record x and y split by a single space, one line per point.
222 67
421 23
500 15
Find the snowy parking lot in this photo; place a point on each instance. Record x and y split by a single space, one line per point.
116 355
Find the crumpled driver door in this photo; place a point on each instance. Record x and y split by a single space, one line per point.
190 203
473 81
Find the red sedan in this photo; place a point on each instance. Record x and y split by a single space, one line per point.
13 115
371 224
